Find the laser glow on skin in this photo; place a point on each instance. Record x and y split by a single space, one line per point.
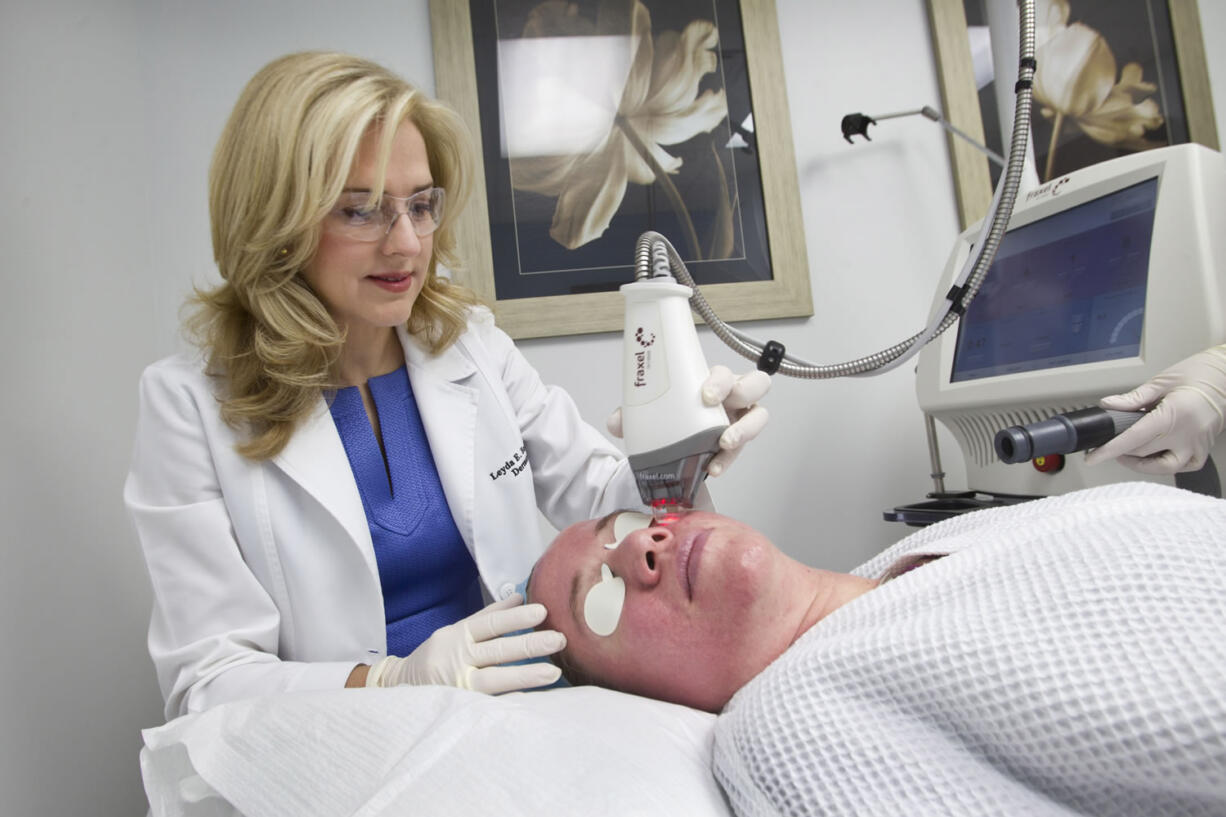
602 607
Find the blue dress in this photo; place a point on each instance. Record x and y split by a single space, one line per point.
429 578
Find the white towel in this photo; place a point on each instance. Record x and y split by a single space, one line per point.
434 751
1067 657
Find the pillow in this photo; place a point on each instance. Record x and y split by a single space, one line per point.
434 750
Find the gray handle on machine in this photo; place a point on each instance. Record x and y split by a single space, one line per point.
1063 433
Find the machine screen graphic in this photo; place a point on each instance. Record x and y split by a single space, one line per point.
1064 290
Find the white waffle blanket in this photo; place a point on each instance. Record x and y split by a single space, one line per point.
1067 657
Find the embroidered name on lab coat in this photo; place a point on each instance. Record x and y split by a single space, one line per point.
518 462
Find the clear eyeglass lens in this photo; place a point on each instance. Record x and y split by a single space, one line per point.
353 216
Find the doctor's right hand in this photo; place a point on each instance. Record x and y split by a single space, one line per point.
1179 432
468 654
739 395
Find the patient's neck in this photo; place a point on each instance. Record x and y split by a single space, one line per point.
830 591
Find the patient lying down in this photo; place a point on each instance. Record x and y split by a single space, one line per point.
708 603
1063 656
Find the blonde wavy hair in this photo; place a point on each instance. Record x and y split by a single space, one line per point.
278 169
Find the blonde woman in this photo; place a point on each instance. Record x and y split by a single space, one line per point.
332 491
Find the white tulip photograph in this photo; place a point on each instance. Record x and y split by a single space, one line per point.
1108 82
601 120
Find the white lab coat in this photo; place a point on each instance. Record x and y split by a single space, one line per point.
264 575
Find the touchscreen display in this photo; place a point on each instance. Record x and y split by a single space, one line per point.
1063 290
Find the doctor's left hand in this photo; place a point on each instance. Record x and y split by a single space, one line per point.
739 395
468 654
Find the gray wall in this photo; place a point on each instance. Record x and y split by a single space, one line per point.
110 110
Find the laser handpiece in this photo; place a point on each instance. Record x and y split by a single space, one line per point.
670 434
1062 434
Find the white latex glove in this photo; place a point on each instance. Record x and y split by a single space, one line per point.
739 395
467 654
1179 433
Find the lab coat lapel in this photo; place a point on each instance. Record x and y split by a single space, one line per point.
315 458
448 409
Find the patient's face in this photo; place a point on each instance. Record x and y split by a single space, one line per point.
709 602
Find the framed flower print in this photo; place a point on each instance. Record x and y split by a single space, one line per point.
597 121
1113 77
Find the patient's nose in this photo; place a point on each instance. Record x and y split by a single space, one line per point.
637 558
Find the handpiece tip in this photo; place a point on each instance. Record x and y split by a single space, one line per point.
667 511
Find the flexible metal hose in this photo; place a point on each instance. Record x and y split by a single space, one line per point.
653 248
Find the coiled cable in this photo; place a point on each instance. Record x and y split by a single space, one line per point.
653 250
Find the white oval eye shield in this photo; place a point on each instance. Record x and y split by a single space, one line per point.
602 607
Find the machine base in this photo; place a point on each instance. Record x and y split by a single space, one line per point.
941 506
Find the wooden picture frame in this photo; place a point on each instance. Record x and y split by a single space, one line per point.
973 178
784 290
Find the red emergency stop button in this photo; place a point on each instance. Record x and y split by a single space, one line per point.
1049 464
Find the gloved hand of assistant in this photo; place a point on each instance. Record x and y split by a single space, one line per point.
739 395
1178 434
470 653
